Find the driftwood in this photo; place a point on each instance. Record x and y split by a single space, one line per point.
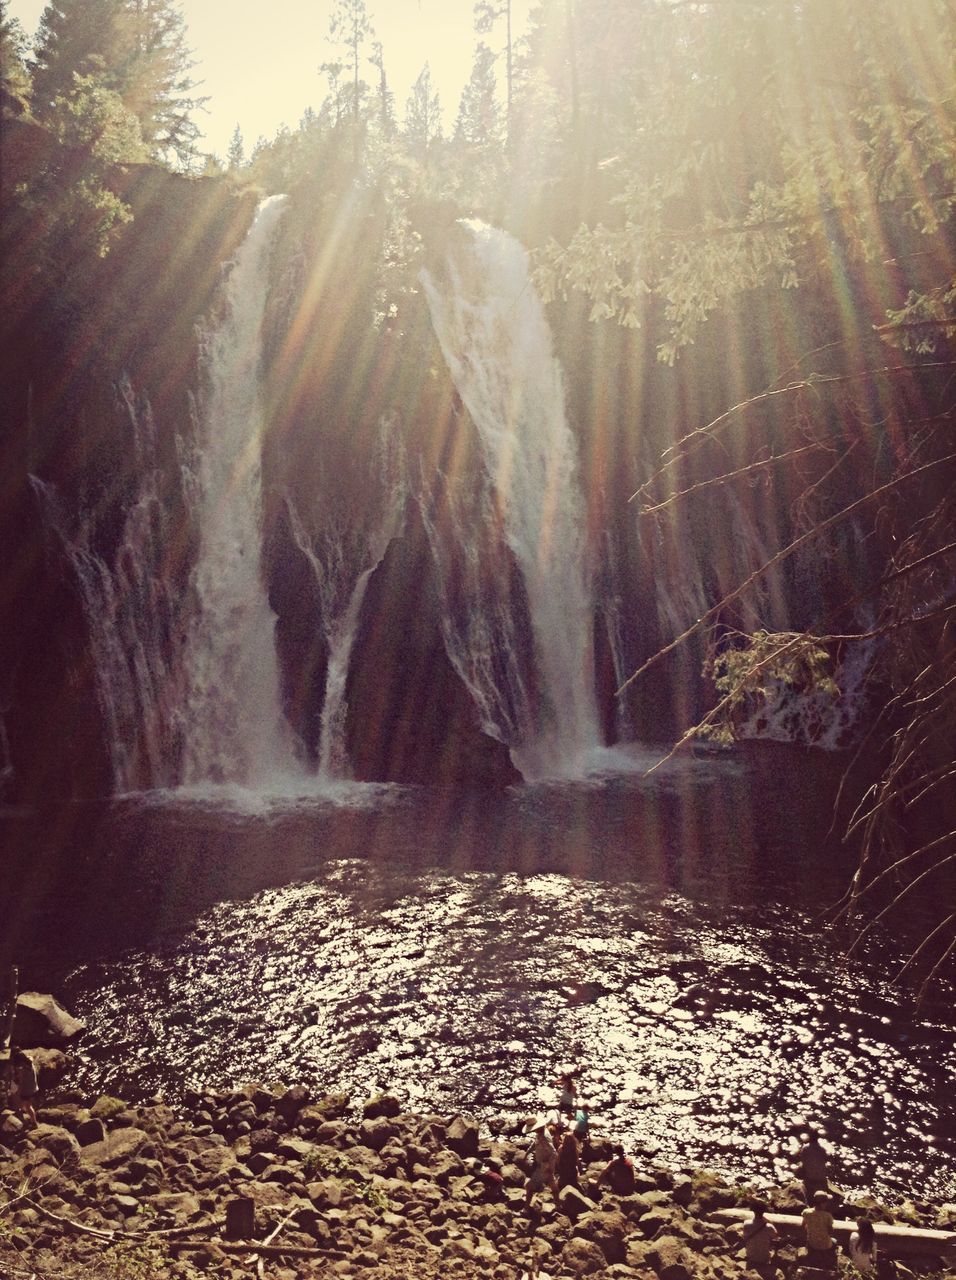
892 1239
250 1246
109 1234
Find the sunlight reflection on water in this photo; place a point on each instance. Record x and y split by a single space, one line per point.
461 948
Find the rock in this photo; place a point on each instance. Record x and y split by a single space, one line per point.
59 1142
327 1194
260 1161
180 1206
115 1147
384 1104
608 1230
712 1192
683 1191
51 1066
670 1259
461 1135
41 1020
574 1203
11 1129
582 1257
90 1131
292 1101
292 1148
376 1133
107 1108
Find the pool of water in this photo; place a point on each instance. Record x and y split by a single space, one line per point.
458 948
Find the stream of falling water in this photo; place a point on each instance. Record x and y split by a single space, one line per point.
496 342
234 730
342 560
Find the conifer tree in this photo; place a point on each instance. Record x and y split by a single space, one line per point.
135 48
14 77
422 115
236 155
487 13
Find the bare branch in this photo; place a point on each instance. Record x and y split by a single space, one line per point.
781 555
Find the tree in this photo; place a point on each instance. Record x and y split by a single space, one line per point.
135 48
487 13
422 115
780 162
386 99
349 28
14 77
479 132
236 155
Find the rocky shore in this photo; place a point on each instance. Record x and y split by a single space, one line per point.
277 1183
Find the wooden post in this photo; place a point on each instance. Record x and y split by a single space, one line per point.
240 1218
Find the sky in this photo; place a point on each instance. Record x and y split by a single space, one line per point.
258 62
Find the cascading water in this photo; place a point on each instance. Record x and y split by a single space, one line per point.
343 559
233 726
130 609
495 339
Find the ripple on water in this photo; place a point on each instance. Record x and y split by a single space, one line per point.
693 1035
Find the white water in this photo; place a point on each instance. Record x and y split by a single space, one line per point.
495 339
130 610
343 559
234 730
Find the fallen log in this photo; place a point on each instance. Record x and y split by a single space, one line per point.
893 1240
250 1246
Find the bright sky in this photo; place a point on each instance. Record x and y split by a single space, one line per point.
259 62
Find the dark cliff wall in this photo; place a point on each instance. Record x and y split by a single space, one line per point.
67 337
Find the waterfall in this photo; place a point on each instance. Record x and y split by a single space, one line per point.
343 557
233 726
130 609
496 342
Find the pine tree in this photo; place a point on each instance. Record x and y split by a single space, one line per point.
386 99
14 77
487 13
75 38
479 122
422 115
135 48
236 155
349 28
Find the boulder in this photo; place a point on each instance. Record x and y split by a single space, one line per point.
670 1258
90 1130
608 1230
178 1207
376 1133
59 1142
461 1134
107 1108
115 1147
575 1203
582 1257
384 1104
51 1066
40 1020
327 1193
292 1101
